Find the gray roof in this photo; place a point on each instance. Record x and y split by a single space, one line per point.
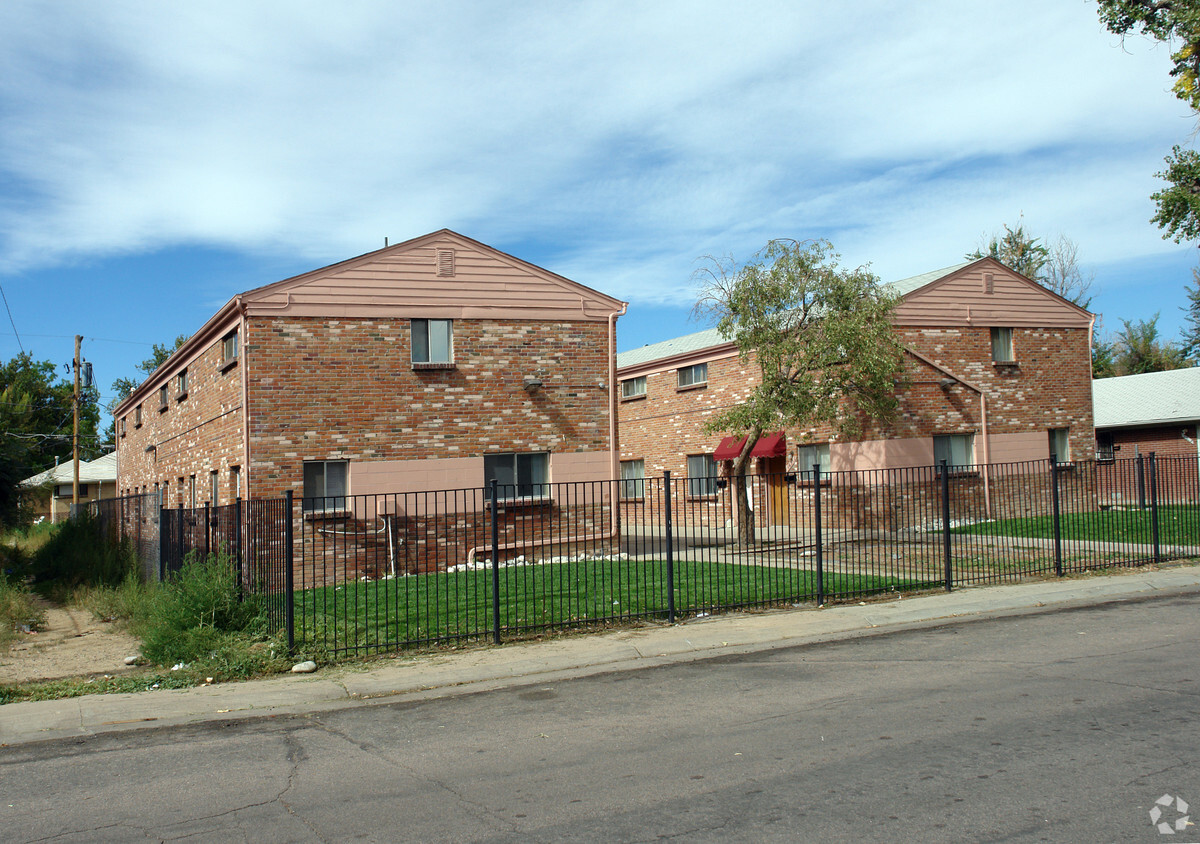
712 337
90 472
667 348
1154 398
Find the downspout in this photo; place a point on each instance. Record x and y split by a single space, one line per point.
987 455
245 366
614 460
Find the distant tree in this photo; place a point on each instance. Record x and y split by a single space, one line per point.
1174 22
36 424
822 339
1137 348
1190 335
1104 358
122 388
1054 266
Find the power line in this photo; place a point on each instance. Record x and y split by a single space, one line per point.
90 339
10 319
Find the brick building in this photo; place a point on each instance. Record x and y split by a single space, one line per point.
997 370
437 363
1138 415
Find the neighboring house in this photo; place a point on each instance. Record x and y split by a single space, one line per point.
1138 415
51 492
438 363
997 369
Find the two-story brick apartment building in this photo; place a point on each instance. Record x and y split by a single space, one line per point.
997 369
437 363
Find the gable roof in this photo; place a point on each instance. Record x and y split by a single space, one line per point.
1154 398
709 338
908 285
96 471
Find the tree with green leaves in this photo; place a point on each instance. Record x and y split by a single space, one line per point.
1177 23
1054 266
1139 348
36 424
1190 335
821 337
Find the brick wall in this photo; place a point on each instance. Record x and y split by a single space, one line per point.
1124 484
328 389
194 435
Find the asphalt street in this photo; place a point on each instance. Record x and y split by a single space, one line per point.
1058 726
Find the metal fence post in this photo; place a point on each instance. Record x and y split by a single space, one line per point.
495 563
1141 482
178 556
237 544
207 531
1154 509
163 544
820 543
946 525
1056 511
670 546
289 576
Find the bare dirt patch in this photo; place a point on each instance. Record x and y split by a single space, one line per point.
74 644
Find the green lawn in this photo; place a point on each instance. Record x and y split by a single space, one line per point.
1177 525
383 614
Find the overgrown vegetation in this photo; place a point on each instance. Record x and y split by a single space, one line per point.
77 553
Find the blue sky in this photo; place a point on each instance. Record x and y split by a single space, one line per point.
156 159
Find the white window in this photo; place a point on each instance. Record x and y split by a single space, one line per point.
432 341
1060 444
633 387
958 450
517 475
702 475
1002 347
229 347
325 485
235 482
811 455
689 376
633 475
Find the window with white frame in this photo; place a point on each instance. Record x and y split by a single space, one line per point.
632 388
633 478
808 456
517 475
702 475
432 341
694 375
1060 444
235 482
325 485
958 450
1002 345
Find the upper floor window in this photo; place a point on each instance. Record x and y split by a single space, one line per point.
325 485
1002 345
631 388
121 426
162 397
229 348
137 416
518 475
432 341
181 384
958 450
1060 444
690 376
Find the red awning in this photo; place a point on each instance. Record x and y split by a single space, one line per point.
770 445
730 448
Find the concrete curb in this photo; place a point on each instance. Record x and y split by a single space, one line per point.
480 669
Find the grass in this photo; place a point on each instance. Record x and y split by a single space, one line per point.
384 614
18 609
1177 525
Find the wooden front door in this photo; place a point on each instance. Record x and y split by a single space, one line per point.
777 490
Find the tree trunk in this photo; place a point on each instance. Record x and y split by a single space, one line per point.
745 515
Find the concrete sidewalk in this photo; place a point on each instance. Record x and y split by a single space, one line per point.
481 668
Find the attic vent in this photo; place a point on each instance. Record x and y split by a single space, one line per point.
445 263
987 283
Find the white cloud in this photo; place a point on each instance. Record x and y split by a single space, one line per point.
633 137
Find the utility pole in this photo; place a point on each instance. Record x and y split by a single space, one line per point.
75 437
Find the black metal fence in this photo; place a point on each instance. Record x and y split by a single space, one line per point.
370 573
